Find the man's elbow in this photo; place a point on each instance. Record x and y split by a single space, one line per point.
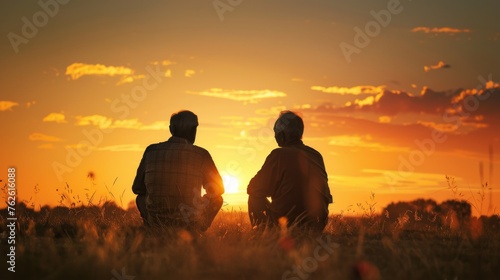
215 189
138 190
220 190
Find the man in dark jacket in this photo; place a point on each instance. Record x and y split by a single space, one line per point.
170 177
295 179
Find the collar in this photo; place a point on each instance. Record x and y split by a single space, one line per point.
175 139
294 143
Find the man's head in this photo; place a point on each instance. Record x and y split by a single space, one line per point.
288 127
183 124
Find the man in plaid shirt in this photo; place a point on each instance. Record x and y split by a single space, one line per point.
170 177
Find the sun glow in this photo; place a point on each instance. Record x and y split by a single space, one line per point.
231 183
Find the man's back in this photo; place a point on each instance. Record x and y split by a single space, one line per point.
171 174
304 184
295 178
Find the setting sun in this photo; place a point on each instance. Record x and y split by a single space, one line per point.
231 183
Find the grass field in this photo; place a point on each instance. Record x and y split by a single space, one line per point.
107 242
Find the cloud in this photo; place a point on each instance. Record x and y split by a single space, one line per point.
376 180
240 122
357 90
136 124
366 101
43 137
55 117
394 102
46 146
440 30
440 65
189 73
78 70
81 146
96 120
444 127
129 79
7 105
467 119
164 62
461 111
406 182
30 103
122 148
104 122
127 123
478 105
489 88
273 111
384 119
158 125
365 141
251 96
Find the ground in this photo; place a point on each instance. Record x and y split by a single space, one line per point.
106 242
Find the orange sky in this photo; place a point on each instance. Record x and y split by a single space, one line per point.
91 87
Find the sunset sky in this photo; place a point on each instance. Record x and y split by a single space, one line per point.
395 95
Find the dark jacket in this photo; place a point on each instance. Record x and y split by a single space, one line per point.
295 179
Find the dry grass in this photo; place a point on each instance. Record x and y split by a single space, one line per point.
99 240
104 242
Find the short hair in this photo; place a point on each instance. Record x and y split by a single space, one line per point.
291 124
183 122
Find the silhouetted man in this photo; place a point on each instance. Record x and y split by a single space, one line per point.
294 177
170 177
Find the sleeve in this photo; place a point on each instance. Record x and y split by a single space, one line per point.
212 181
264 183
139 187
326 191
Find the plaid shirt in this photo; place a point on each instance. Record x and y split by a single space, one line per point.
295 178
172 173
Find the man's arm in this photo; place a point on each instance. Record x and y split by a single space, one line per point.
212 200
326 191
264 183
260 187
212 181
139 187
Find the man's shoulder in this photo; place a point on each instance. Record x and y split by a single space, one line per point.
281 153
298 149
312 150
200 150
166 145
277 151
155 146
